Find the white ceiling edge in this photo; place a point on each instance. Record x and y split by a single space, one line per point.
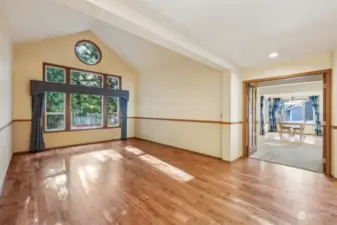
118 15
287 85
295 94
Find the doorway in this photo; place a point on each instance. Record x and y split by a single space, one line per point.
289 123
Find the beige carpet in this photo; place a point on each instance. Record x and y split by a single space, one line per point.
306 154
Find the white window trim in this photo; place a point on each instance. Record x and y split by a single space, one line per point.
64 102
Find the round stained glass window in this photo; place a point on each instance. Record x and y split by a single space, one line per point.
88 52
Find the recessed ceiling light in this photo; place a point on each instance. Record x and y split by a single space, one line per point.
273 55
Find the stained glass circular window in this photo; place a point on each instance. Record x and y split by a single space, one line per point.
88 52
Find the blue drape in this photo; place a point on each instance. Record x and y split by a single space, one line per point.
316 108
270 106
37 140
123 103
262 115
272 115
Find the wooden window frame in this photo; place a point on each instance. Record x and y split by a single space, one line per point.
68 102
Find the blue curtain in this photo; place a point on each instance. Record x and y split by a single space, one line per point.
316 108
37 140
270 106
262 115
123 103
272 115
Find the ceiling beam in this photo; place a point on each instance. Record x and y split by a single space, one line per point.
116 14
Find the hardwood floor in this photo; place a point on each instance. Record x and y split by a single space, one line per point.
138 182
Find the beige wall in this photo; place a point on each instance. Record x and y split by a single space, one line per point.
186 89
5 102
27 65
312 63
182 89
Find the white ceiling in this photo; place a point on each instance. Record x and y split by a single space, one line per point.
53 19
37 19
245 31
241 32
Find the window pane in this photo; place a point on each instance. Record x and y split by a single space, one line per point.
55 74
113 112
297 113
309 114
55 122
287 116
86 111
55 102
114 83
86 79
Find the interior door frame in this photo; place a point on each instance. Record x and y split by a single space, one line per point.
327 112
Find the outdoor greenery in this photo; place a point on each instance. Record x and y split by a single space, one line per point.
55 101
84 104
86 109
113 83
87 52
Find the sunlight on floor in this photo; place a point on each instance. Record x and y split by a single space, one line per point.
106 155
133 150
59 184
166 168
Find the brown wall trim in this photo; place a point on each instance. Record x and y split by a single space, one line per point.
187 120
5 126
69 146
22 120
147 118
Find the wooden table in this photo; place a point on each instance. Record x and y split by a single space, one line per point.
300 125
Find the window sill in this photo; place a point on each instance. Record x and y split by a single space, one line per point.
79 130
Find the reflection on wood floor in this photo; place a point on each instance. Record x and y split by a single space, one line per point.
138 182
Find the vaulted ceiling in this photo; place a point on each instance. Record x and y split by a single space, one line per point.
225 34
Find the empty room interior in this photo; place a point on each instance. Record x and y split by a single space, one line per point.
168 112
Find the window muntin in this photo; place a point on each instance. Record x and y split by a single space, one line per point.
55 102
102 112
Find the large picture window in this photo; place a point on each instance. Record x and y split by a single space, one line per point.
298 110
84 111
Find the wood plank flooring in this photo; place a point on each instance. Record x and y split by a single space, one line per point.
138 182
